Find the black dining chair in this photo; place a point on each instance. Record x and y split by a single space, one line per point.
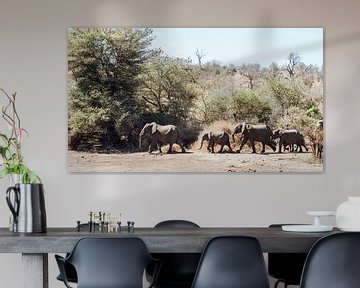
232 262
333 262
178 269
108 263
286 267
70 271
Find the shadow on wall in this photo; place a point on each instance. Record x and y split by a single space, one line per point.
343 39
135 14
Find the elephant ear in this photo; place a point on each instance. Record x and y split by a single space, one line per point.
154 128
242 127
247 127
276 134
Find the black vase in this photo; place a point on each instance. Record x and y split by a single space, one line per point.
28 208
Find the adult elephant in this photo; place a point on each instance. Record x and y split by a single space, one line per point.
255 133
161 135
290 137
216 137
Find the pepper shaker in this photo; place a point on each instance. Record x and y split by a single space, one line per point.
78 226
90 221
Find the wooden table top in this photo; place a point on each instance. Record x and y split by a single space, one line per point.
158 240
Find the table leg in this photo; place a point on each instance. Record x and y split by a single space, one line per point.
35 270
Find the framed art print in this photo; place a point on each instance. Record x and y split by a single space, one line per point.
222 100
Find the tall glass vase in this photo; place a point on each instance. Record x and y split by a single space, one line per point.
14 179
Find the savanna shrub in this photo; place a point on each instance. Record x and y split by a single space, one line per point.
249 106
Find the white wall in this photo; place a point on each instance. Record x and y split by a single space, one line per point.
33 62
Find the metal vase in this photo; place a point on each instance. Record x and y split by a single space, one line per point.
27 204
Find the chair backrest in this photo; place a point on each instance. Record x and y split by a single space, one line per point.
232 262
333 262
176 224
110 262
178 269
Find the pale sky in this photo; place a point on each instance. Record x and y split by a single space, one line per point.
242 45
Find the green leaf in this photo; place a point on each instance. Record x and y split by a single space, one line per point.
4 137
3 151
28 176
33 178
4 173
27 133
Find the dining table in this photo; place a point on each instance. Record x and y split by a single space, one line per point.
35 247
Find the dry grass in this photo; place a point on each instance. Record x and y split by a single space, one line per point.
220 125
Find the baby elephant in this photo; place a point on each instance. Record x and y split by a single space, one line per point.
290 137
216 137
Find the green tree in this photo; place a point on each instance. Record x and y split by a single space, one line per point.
103 69
249 106
219 107
288 93
168 87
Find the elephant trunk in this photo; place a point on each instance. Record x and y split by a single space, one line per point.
233 136
140 142
202 141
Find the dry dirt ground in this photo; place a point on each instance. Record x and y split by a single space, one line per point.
193 161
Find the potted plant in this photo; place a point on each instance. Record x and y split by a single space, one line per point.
26 197
12 161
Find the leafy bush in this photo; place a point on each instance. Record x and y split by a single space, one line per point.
219 108
288 93
104 65
251 108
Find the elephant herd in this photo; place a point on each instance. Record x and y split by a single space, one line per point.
169 134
